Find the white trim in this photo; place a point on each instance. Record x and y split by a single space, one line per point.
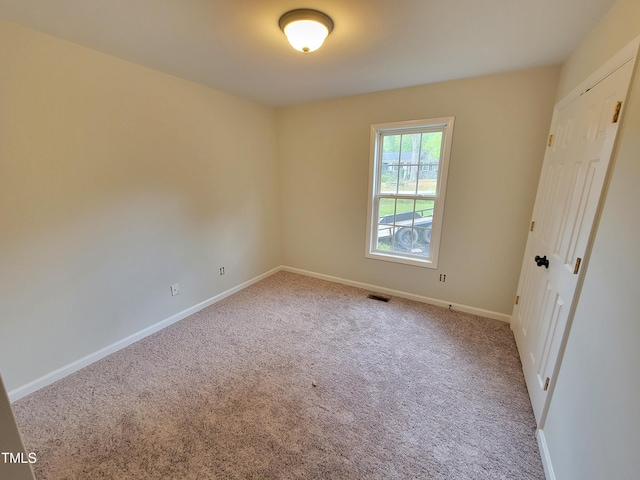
72 367
410 296
628 53
444 125
544 454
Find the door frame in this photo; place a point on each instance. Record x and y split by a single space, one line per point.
628 54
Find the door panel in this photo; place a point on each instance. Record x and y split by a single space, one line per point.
571 182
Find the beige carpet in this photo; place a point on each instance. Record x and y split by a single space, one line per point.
295 378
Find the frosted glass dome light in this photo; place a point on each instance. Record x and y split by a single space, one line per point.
306 29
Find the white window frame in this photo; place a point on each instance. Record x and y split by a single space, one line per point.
445 125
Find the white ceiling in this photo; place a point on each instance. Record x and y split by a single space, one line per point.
236 45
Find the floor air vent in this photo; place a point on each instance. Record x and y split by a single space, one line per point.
378 297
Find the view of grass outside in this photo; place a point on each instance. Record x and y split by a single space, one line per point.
405 225
389 206
409 160
410 164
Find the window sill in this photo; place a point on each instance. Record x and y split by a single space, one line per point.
396 258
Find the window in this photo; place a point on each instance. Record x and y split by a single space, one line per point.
407 181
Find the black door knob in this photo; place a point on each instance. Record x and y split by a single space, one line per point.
540 261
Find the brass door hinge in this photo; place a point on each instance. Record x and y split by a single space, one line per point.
533 224
517 299
546 384
550 142
616 112
576 269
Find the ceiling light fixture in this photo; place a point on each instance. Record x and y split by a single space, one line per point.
306 29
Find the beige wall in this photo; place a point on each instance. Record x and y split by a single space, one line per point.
593 424
116 182
610 35
501 126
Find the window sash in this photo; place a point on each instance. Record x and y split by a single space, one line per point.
378 193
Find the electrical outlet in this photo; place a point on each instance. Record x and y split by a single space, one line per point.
175 289
221 270
443 277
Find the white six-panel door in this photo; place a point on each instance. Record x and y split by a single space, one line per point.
573 175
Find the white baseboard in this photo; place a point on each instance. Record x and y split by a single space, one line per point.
62 372
410 296
544 453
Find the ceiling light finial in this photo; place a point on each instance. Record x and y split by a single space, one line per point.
306 29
